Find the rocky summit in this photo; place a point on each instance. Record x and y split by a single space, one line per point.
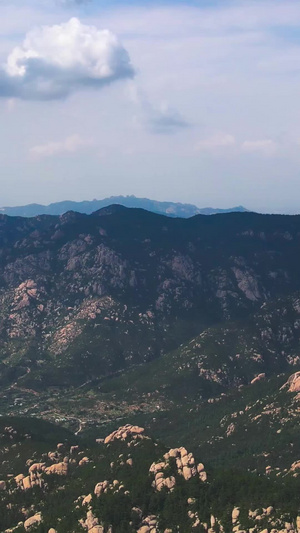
149 373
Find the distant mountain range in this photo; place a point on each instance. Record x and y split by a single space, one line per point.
89 206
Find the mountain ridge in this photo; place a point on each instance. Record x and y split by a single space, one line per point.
106 292
88 207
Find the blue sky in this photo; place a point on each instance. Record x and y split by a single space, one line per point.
185 101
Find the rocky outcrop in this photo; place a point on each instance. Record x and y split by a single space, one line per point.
185 466
91 523
61 469
260 377
148 525
293 383
33 521
257 518
36 467
295 468
84 461
74 449
247 283
36 472
24 293
104 487
235 515
87 499
130 432
230 429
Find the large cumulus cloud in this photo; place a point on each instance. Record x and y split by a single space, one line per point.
55 61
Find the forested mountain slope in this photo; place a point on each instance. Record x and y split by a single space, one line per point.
188 328
84 296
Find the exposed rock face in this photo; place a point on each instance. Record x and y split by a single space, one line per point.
91 523
104 486
26 290
230 429
260 377
60 469
247 283
74 449
19 479
235 515
84 461
27 483
33 521
185 464
36 471
261 516
294 382
36 467
101 487
295 466
148 525
87 499
125 432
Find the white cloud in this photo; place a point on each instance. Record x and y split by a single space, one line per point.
220 140
55 61
161 119
71 2
265 147
69 145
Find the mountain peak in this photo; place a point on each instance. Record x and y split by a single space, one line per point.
110 210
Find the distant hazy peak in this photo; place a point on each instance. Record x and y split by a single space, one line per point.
171 209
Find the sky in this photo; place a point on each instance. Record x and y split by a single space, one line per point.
194 101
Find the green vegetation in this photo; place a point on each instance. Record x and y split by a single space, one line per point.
189 328
59 499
